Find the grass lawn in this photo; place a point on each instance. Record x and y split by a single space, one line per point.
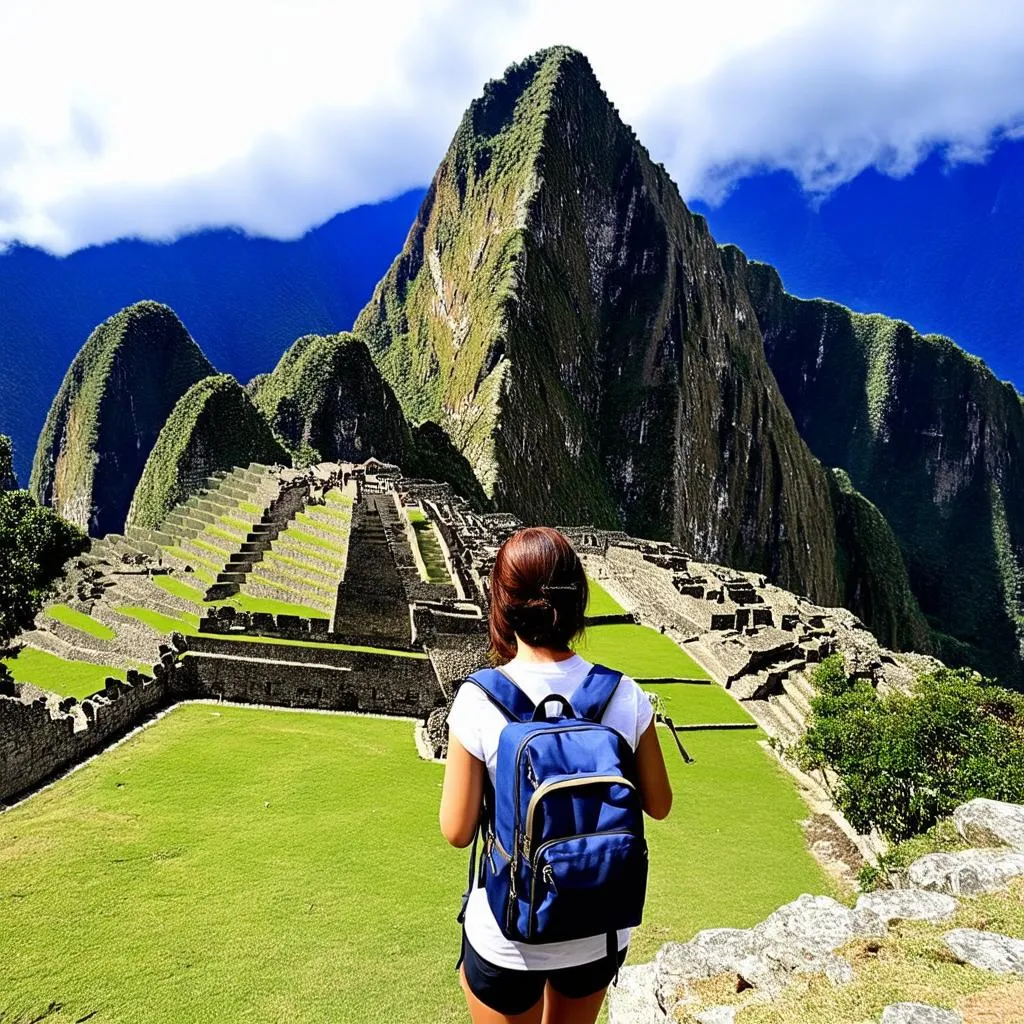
601 602
430 547
243 602
80 621
68 678
639 651
178 588
185 622
692 704
235 864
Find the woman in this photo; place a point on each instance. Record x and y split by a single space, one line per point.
538 601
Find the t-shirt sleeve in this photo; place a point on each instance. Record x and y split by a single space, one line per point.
465 722
644 712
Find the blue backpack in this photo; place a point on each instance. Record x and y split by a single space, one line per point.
564 849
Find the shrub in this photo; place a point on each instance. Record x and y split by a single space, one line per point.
34 544
905 760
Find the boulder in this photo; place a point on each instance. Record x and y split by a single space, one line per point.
716 1015
799 938
908 905
919 1013
989 951
990 823
966 873
633 999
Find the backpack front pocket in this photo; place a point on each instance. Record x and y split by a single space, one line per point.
587 885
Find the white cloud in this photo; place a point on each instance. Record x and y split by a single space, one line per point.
155 118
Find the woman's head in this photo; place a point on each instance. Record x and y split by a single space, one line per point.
538 592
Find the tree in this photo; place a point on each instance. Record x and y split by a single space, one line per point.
905 760
34 544
8 481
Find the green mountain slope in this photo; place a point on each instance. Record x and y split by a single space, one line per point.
928 435
107 414
214 426
327 401
573 328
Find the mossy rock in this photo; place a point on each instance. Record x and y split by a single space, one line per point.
108 412
872 575
214 426
327 400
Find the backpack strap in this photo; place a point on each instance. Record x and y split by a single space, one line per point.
592 697
504 694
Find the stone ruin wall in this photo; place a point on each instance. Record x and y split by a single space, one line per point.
42 736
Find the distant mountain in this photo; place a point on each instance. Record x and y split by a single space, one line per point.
243 299
942 248
108 412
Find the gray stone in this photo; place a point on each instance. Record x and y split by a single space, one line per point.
990 823
966 873
816 925
989 951
633 1000
716 1015
919 1013
908 905
799 938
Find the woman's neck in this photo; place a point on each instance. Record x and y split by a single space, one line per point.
524 652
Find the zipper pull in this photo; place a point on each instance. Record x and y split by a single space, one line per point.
548 874
531 775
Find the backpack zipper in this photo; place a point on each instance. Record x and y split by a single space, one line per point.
550 787
536 857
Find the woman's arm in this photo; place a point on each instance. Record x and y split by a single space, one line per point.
462 794
655 789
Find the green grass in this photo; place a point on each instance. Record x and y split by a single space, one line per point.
252 508
430 547
242 638
68 678
275 866
601 602
162 623
692 704
179 588
246 603
311 539
80 621
639 651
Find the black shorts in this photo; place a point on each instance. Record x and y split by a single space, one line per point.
509 991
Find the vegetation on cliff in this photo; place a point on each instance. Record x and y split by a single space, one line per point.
214 426
574 330
112 404
906 760
34 543
328 402
872 577
930 437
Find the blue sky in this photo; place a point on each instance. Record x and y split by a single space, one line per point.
153 119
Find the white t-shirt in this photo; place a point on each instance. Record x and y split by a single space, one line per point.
476 723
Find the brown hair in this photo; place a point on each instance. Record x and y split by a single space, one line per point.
538 591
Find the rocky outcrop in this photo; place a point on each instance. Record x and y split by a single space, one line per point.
967 872
919 1013
213 427
328 402
988 951
574 329
990 823
111 406
908 905
932 438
